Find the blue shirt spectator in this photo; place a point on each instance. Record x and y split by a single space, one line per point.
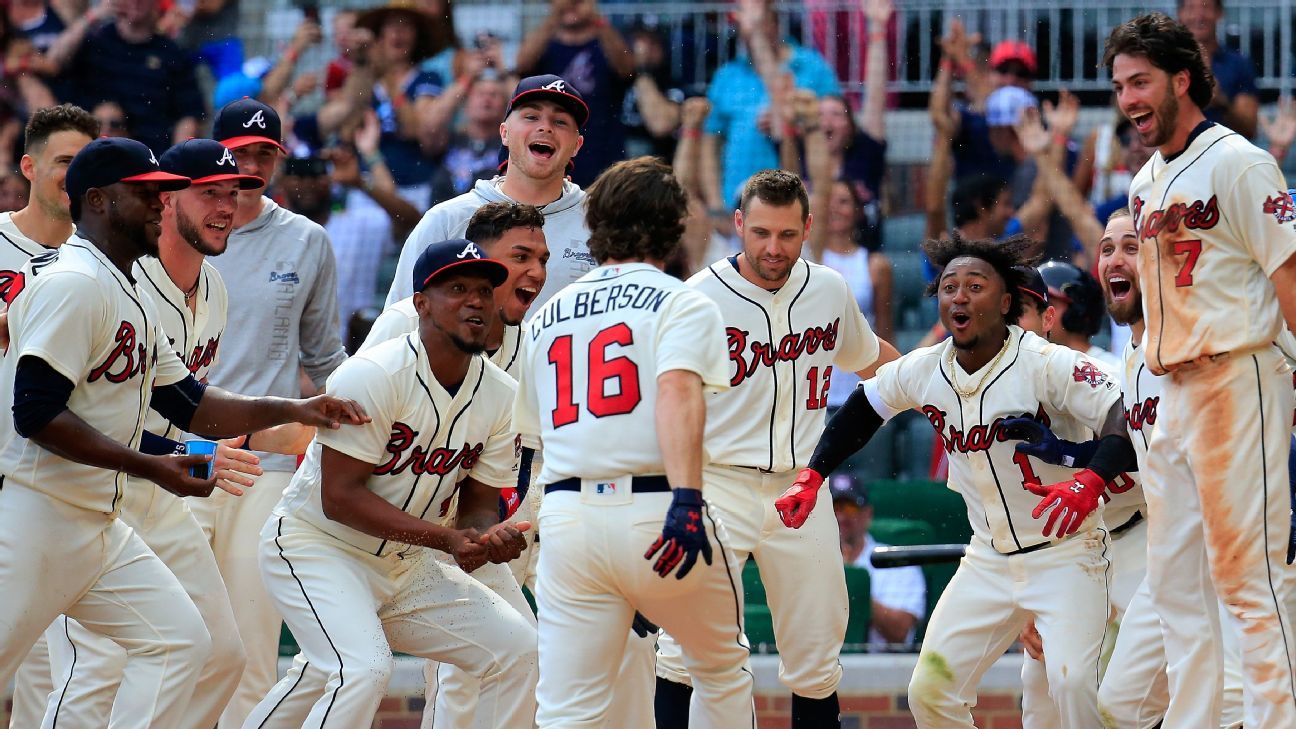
1234 74
153 81
738 95
586 67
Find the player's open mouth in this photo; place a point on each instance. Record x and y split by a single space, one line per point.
526 295
960 319
542 150
475 321
1119 286
218 225
1142 121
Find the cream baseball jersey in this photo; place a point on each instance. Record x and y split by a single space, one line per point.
1142 394
591 357
783 348
1213 223
401 318
1031 379
75 310
196 335
422 440
15 250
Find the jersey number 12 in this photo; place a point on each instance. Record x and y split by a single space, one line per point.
601 369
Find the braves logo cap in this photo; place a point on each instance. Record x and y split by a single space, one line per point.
455 254
551 88
205 161
247 121
109 160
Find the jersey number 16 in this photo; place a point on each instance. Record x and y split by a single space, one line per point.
600 369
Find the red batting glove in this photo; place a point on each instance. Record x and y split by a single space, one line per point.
795 505
1071 501
509 502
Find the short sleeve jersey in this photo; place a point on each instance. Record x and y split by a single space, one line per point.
784 347
422 441
591 357
1213 222
1031 379
92 324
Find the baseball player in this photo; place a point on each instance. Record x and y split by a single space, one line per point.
88 363
1078 301
190 298
623 352
281 321
52 138
541 131
1133 692
986 372
789 323
1218 277
347 554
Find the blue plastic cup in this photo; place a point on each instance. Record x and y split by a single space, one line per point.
200 447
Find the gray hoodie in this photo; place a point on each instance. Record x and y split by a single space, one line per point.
282 281
564 231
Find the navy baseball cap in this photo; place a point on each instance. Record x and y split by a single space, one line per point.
846 487
109 160
552 88
1034 285
247 121
205 161
457 254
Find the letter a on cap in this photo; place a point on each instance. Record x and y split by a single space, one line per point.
258 119
469 250
228 158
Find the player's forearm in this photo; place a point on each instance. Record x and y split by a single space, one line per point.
478 505
347 501
1284 283
70 437
886 353
1115 453
224 414
681 422
848 430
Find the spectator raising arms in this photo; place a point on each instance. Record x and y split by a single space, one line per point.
741 90
578 44
128 62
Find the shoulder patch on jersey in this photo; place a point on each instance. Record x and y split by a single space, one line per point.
1089 374
1280 206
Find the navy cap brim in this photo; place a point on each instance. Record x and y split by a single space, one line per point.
574 106
496 272
167 182
245 182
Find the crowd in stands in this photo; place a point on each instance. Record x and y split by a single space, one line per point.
407 114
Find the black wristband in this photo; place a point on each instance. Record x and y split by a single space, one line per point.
848 430
1115 455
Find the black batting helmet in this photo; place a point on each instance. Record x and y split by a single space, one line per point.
1081 293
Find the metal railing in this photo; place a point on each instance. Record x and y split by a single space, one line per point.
1067 35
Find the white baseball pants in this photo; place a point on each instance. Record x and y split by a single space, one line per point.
57 559
592 578
1218 526
32 687
800 568
88 667
233 528
349 610
985 606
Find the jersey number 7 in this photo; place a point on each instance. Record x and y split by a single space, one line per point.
601 370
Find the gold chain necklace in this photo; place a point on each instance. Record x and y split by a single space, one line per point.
953 369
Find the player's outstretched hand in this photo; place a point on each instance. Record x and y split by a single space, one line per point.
236 469
466 548
1032 642
504 542
683 535
643 627
795 505
327 411
172 473
1069 503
